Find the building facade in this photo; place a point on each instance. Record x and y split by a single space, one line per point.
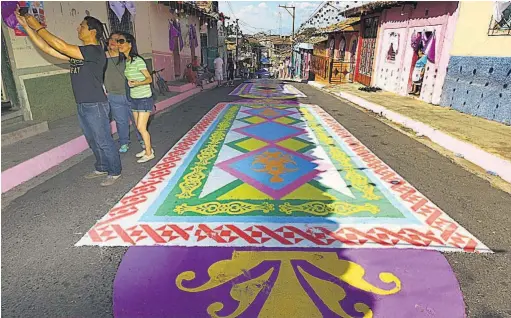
405 30
41 84
335 52
478 80
467 45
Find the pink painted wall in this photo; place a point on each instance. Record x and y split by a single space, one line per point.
159 17
397 26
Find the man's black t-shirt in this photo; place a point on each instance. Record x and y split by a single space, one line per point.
87 75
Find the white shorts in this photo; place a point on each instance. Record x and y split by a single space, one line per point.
219 75
416 75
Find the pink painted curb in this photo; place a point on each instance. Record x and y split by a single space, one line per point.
182 88
33 167
483 159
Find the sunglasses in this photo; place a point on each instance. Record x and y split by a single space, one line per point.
122 41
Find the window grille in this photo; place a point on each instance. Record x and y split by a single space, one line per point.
125 25
500 23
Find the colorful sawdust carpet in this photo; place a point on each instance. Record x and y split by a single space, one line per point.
297 282
280 174
267 89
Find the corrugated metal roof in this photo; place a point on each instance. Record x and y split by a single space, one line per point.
348 25
317 39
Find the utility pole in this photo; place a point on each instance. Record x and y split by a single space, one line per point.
280 24
236 58
293 34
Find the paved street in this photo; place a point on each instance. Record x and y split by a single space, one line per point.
46 275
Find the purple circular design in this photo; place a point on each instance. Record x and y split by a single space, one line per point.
8 8
145 284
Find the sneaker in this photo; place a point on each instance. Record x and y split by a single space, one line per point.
146 158
124 148
95 174
142 153
142 144
109 180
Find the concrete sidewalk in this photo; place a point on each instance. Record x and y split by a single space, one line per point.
483 142
31 157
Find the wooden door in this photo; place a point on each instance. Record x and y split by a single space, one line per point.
367 51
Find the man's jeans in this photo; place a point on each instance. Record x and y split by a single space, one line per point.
95 123
120 107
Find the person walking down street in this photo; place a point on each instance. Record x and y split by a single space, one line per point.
87 66
219 69
198 72
230 72
139 83
281 70
115 84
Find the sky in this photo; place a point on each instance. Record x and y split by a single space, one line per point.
255 16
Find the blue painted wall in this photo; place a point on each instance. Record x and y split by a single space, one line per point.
480 86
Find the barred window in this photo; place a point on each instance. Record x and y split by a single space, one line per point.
125 25
503 15
500 23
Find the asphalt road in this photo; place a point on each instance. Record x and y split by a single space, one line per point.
44 275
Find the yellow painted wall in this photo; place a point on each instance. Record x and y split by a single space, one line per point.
471 37
62 19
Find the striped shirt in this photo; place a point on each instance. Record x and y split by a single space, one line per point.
133 72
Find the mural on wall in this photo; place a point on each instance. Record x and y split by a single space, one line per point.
409 67
393 46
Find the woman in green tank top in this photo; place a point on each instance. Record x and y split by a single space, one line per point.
139 83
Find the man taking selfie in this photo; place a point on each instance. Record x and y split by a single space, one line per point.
87 68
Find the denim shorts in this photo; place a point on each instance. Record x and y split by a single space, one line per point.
142 104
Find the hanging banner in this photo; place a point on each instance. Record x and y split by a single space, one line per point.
36 9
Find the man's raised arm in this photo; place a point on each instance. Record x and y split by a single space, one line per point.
54 42
38 41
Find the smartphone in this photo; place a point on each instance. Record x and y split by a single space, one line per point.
23 11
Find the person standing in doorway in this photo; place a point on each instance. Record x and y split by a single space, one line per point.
88 63
418 72
115 84
219 69
139 83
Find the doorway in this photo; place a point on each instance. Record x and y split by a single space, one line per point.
415 87
368 46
